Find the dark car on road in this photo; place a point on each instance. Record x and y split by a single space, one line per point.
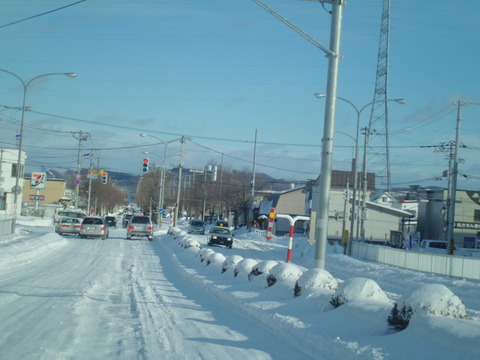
111 221
196 227
220 235
139 226
126 219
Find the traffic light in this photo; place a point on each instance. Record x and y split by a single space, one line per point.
145 165
104 178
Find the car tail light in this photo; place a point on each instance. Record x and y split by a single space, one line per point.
64 226
150 228
103 227
78 227
131 227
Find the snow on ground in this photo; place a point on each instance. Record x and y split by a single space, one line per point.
177 298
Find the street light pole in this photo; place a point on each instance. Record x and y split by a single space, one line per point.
355 163
161 197
177 205
20 143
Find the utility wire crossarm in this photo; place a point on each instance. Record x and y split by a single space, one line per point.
295 28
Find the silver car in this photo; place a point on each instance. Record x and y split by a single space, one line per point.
94 226
68 225
138 226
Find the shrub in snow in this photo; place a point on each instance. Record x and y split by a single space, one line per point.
358 290
284 271
186 243
216 258
230 262
205 253
262 267
436 299
399 319
315 278
244 266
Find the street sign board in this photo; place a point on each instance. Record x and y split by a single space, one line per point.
36 197
38 180
77 181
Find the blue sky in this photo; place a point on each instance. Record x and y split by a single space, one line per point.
217 70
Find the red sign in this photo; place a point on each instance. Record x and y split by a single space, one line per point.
36 197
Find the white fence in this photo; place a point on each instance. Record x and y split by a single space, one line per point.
6 226
457 266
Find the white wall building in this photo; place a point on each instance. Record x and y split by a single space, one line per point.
8 172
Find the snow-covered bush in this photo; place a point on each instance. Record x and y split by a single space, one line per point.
230 262
189 242
215 259
358 290
244 266
315 278
205 253
262 267
284 271
436 299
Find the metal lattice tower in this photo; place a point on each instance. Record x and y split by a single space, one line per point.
378 150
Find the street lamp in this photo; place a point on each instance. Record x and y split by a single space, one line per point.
19 159
161 198
355 166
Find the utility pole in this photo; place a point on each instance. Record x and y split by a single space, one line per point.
345 201
90 181
252 185
333 54
452 176
80 136
180 167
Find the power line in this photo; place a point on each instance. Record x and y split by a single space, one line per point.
44 13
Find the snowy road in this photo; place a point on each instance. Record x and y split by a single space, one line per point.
66 298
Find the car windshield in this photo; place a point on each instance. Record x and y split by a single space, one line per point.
197 223
93 221
69 220
70 214
141 220
223 231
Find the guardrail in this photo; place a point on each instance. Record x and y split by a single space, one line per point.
456 266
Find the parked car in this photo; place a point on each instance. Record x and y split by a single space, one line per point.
126 219
94 226
111 221
140 225
220 235
68 225
196 227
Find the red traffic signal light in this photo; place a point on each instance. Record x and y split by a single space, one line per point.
145 165
104 178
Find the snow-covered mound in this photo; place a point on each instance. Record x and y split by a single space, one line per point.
230 262
436 299
359 291
315 279
286 273
244 267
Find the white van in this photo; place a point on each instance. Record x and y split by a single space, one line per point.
79 214
434 246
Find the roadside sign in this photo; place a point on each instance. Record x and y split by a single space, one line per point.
36 197
38 180
77 181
